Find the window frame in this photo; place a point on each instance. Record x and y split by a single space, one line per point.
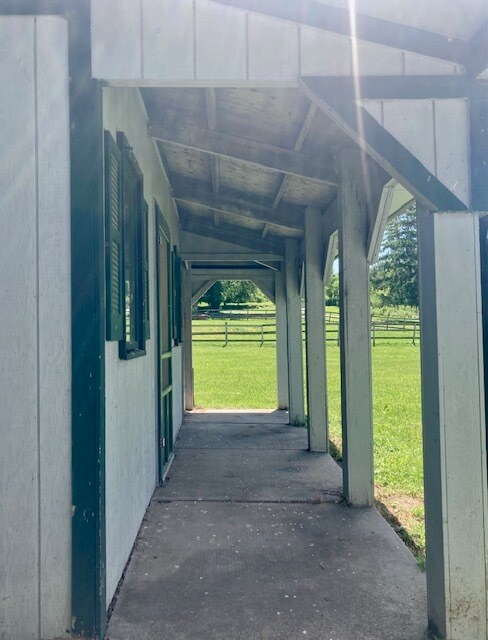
132 189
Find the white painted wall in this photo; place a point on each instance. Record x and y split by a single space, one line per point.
436 132
35 330
131 423
187 42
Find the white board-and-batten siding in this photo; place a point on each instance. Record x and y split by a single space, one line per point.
35 330
435 131
199 42
131 447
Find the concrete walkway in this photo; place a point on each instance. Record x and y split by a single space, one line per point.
249 540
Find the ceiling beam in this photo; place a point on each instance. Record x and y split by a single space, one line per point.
260 258
211 108
230 233
240 212
305 128
181 183
476 52
380 145
200 289
231 273
393 87
250 151
268 288
360 26
267 265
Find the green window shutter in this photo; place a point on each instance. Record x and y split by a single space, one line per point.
113 239
178 299
146 334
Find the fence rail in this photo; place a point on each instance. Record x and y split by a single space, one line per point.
383 329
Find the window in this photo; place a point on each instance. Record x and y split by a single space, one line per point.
127 262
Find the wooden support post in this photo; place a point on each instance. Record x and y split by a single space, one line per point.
187 341
453 415
281 339
294 334
318 432
355 334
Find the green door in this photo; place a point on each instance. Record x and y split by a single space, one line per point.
164 340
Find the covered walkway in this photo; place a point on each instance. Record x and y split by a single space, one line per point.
249 539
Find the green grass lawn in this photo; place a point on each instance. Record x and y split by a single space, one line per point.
244 376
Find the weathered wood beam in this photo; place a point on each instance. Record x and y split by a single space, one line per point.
229 273
393 87
360 26
476 52
239 212
214 170
267 288
273 267
211 106
307 123
380 145
230 233
250 151
260 258
182 184
200 289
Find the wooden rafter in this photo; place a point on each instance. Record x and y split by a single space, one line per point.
307 123
249 151
364 27
230 233
240 212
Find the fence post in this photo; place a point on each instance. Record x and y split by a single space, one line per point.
226 334
414 332
374 334
338 335
262 334
387 321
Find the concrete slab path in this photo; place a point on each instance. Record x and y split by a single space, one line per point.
248 540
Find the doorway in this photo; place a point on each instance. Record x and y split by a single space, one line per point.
164 344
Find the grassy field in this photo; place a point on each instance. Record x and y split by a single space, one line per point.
220 384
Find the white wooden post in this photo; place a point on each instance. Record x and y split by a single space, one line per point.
355 334
281 339
318 436
455 463
187 340
294 324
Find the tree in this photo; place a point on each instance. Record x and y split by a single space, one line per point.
395 277
232 292
214 296
332 291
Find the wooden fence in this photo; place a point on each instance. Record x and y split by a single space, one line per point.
239 329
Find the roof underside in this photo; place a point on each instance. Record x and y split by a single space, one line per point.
216 181
243 146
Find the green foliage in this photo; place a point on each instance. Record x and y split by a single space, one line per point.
214 296
232 292
394 278
332 291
